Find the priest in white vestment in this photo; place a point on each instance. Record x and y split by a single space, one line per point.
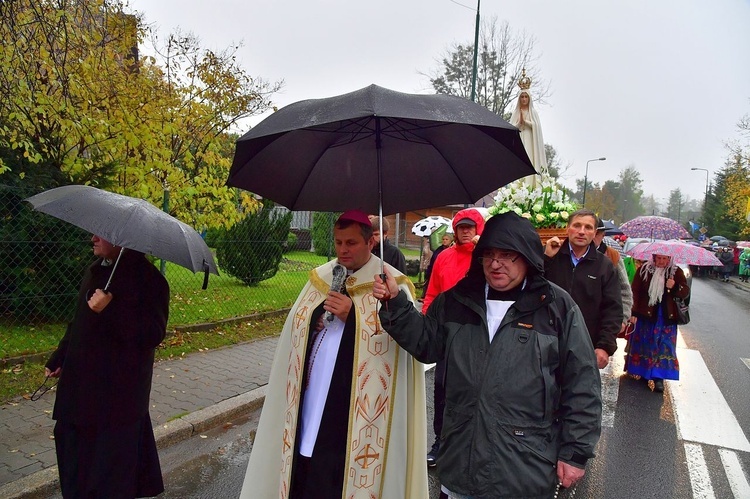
344 414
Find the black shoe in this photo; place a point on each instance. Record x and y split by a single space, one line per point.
658 385
432 455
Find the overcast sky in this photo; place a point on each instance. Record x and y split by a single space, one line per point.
656 84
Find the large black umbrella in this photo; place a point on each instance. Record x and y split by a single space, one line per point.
380 151
128 222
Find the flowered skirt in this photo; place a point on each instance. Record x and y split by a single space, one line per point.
653 349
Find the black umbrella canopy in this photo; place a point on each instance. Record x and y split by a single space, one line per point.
377 145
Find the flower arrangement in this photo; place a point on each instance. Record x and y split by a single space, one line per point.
545 205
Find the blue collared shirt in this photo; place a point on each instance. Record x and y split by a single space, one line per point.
573 257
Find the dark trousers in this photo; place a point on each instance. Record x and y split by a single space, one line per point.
439 399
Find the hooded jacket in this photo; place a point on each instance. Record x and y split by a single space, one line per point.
452 263
517 405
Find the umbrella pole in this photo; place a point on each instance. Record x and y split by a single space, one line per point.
122 250
378 144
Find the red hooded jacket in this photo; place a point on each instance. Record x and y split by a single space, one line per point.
453 263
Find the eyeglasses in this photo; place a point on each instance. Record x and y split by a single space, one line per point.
502 257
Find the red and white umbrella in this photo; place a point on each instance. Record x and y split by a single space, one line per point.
679 251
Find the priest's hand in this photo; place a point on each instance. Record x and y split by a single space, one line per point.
384 291
338 304
99 300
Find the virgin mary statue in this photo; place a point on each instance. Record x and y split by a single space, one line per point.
526 119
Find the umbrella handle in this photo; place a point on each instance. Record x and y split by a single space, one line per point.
205 275
122 250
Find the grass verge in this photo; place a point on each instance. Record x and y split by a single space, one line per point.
21 380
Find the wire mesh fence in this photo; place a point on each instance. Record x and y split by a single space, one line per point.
42 261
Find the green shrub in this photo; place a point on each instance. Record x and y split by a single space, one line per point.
322 233
291 242
252 249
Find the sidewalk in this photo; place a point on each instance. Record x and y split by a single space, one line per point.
188 396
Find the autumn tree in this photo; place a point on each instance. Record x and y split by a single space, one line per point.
80 106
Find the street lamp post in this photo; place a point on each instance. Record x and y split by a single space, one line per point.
586 177
476 53
705 199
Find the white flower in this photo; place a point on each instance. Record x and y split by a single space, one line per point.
540 217
564 215
526 215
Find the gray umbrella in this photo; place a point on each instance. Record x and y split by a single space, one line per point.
128 222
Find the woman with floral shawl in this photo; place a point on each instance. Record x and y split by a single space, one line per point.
653 345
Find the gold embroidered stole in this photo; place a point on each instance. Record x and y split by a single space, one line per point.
375 368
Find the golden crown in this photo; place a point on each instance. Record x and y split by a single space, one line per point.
524 82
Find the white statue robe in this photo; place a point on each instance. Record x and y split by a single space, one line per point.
532 139
387 420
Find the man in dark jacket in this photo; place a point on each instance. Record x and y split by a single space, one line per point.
103 437
589 276
523 401
391 254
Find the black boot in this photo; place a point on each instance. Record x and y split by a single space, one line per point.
659 385
432 455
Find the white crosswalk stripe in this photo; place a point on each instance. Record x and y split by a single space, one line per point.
699 476
737 480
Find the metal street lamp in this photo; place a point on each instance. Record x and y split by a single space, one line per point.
705 199
586 177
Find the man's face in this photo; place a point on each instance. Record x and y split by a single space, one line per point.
104 249
352 250
503 269
465 233
376 236
581 231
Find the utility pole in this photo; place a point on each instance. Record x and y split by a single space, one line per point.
476 53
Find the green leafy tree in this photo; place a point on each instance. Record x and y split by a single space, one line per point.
252 249
674 205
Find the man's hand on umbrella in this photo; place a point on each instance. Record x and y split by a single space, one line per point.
99 300
384 291
338 304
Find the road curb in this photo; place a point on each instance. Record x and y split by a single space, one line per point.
46 482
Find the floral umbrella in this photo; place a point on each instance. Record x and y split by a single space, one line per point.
679 251
743 244
424 227
654 228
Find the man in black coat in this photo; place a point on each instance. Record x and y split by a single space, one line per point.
391 254
103 436
589 276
